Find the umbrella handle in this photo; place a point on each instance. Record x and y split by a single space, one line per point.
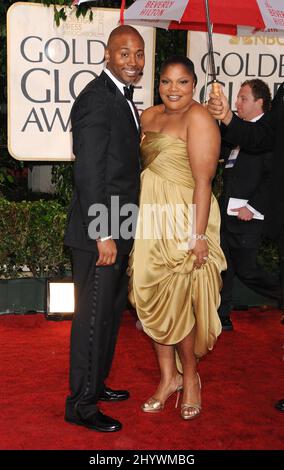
216 88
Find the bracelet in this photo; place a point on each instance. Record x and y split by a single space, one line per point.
103 239
199 236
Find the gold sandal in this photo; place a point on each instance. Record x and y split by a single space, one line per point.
191 410
153 405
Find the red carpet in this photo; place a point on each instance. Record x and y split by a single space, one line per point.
241 381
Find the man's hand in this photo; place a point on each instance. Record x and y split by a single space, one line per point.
218 106
243 213
107 252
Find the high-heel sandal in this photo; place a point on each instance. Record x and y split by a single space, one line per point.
191 410
153 405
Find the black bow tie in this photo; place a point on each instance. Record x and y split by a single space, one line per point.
128 92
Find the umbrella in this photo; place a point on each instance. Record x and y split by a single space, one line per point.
226 15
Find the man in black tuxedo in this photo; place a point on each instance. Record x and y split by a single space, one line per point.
266 134
246 176
106 138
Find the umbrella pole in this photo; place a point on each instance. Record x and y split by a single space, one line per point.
122 8
215 85
204 101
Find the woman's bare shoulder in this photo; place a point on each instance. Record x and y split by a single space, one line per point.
198 111
150 113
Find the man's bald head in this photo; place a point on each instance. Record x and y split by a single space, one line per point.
122 30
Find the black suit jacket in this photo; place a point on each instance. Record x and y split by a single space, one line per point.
267 134
106 146
248 179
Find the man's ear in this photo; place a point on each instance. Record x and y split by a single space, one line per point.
261 102
107 57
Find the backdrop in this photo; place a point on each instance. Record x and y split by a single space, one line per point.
47 68
239 58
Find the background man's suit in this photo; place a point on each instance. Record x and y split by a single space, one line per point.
249 178
106 145
267 134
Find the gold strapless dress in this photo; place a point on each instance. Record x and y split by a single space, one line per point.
170 296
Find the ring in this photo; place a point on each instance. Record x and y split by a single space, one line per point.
205 257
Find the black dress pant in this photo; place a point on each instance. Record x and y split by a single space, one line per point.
241 250
280 242
100 298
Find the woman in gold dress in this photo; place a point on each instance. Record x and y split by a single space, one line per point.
176 261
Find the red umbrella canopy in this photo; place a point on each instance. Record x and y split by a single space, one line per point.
226 15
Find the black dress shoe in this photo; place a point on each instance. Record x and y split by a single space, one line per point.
227 324
108 394
96 421
280 405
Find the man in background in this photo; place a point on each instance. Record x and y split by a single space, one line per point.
263 135
243 204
